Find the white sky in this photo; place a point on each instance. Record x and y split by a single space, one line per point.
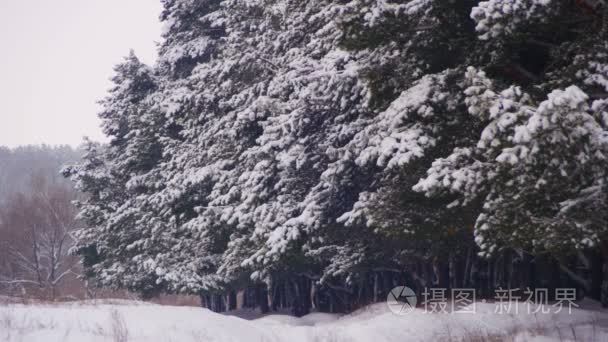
55 60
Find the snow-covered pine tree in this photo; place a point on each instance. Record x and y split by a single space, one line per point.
114 244
414 116
537 167
188 98
279 142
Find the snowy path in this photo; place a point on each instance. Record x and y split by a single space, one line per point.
138 322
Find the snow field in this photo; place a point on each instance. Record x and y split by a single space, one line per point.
140 322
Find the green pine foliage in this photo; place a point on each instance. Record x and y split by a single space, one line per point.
334 138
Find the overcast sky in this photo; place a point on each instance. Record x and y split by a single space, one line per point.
55 60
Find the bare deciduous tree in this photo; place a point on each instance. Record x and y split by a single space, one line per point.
35 238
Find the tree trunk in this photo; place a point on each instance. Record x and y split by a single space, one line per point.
53 293
261 296
232 300
467 270
313 295
375 287
451 271
604 287
203 300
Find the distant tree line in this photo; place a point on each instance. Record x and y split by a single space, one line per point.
20 165
312 155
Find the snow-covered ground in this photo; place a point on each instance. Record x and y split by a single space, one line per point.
124 321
